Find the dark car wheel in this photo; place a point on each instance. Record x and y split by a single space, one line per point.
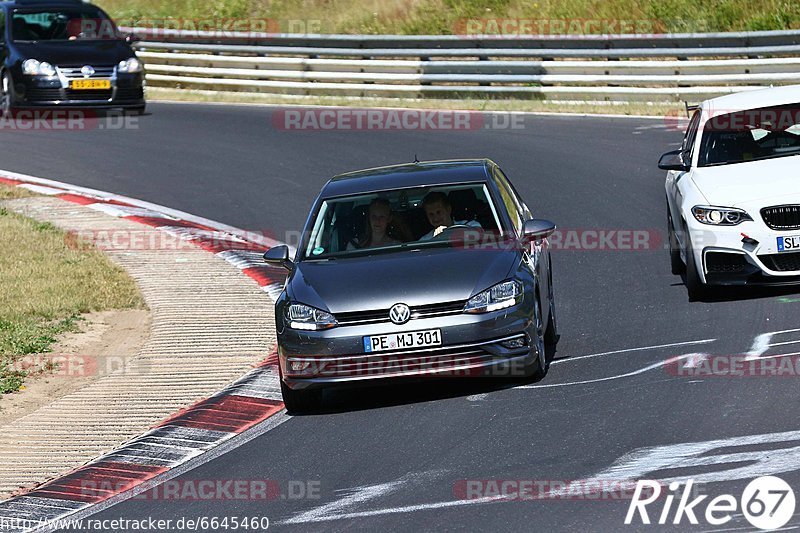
301 401
676 263
136 111
538 368
551 333
7 95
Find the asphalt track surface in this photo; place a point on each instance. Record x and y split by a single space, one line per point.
392 458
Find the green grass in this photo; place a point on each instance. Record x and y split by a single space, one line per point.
443 16
45 287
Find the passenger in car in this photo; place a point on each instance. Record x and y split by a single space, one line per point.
377 233
440 215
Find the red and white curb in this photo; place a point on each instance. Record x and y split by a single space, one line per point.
207 424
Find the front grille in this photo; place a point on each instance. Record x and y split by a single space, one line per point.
782 217
782 262
85 95
382 315
44 95
74 73
725 263
455 361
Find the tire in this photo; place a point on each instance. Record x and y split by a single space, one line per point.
7 96
676 263
695 287
135 111
538 369
551 332
301 401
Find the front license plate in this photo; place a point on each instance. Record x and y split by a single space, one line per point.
400 341
90 84
789 244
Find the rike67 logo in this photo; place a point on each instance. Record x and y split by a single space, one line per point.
766 503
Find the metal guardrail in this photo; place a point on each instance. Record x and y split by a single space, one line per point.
653 68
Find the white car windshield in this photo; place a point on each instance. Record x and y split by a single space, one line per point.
393 220
751 135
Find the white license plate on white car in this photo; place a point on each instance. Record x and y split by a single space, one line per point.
789 244
403 341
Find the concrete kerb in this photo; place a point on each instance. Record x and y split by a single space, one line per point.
199 301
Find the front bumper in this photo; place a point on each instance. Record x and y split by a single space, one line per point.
727 259
472 346
36 91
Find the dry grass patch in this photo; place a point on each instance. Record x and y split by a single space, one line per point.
45 287
476 104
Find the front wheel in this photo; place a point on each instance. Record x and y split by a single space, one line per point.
135 111
538 369
551 332
7 95
676 263
301 401
694 285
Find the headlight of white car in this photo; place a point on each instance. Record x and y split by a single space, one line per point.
494 298
719 216
300 316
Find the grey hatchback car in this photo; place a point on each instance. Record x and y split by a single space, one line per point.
433 269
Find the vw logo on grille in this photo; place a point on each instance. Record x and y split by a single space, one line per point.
87 71
399 313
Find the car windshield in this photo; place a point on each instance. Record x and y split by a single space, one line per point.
751 135
395 220
67 24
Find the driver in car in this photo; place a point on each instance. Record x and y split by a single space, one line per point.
439 212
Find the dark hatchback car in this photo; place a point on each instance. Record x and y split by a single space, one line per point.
66 53
431 269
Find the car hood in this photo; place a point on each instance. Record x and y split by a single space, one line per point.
426 276
73 53
766 182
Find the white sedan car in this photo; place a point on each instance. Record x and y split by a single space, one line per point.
733 192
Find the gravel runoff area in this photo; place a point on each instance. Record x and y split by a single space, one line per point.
200 304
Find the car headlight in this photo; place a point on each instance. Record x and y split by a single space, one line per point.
500 296
300 316
30 66
129 65
719 216
33 67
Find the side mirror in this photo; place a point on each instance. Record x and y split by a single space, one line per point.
537 229
279 257
131 38
672 161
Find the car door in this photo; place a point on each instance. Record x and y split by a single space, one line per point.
537 255
674 177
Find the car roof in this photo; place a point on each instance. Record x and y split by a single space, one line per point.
43 3
731 103
417 174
